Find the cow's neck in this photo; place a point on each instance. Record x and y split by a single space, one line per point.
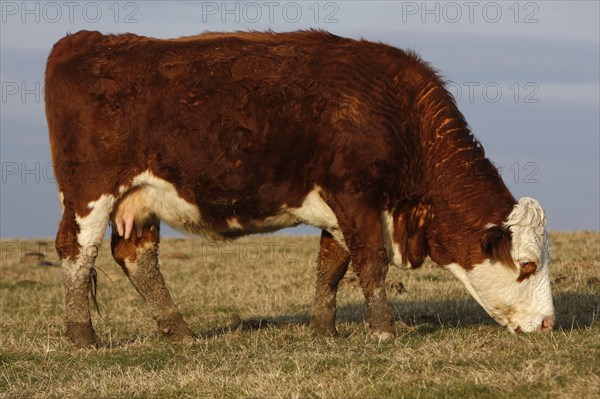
465 190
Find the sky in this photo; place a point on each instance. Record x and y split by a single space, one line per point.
526 75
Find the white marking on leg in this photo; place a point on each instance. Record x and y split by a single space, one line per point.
93 225
74 270
91 231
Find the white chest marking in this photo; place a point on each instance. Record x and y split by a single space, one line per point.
393 249
61 200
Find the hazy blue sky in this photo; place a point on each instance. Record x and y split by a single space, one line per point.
526 75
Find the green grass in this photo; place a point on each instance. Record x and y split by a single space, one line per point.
249 302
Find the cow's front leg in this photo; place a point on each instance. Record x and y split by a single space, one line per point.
332 264
361 226
138 256
372 269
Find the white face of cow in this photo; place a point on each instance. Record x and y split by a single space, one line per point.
518 297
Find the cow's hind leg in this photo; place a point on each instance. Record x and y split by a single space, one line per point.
138 256
332 264
78 242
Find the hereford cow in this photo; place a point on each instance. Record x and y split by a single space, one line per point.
231 134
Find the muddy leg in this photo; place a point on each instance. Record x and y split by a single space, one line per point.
77 259
362 230
332 264
138 256
372 271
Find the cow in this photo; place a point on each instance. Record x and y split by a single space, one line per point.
229 134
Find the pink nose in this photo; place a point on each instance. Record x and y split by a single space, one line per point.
548 323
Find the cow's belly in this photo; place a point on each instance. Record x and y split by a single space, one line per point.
149 196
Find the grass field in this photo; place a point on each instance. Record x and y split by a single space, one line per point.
249 302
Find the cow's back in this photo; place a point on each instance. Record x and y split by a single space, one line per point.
233 113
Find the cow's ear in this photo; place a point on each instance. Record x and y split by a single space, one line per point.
496 245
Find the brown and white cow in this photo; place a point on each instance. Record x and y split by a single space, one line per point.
231 134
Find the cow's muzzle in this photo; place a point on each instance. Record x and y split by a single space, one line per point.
546 325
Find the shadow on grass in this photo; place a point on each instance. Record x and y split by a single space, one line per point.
574 310
257 323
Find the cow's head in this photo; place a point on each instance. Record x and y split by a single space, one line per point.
513 282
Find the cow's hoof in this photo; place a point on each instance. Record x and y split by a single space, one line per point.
82 335
181 339
381 321
175 329
383 331
323 327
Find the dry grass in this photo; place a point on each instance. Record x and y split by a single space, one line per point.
446 345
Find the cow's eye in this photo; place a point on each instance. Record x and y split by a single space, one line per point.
527 268
525 263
